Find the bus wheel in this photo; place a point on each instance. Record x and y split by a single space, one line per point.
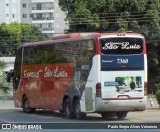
68 109
77 110
108 114
121 115
61 111
25 106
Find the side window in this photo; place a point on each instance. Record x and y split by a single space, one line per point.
44 54
84 50
88 50
29 56
61 52
64 52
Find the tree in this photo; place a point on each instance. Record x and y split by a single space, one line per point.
14 34
120 15
110 15
5 87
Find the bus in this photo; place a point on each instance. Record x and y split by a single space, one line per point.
81 73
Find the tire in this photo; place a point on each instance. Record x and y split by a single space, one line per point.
121 115
68 109
77 110
61 111
108 114
25 106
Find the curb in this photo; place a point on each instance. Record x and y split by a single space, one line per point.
1 102
153 109
9 104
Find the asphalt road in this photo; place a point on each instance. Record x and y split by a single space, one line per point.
10 114
42 116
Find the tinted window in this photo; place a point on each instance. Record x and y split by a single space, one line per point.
121 45
66 52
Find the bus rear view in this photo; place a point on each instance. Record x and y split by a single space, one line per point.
123 74
82 73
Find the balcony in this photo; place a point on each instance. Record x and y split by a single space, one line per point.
42 18
42 1
42 10
42 21
47 30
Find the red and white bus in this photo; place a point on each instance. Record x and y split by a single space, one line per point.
79 74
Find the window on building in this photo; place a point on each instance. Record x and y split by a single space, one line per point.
39 6
39 16
7 15
24 5
13 15
7 4
24 15
31 15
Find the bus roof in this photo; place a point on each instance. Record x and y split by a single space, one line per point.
75 35
79 36
62 38
128 33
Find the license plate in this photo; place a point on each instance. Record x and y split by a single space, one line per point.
123 97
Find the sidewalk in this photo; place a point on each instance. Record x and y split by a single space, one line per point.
9 104
155 104
6 104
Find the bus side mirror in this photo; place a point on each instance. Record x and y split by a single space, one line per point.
9 75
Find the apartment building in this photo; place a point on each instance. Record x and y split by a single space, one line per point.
26 11
9 10
46 14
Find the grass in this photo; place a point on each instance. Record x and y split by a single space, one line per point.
151 96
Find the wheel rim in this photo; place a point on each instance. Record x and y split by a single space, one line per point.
26 105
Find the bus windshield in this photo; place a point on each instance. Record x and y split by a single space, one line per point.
121 45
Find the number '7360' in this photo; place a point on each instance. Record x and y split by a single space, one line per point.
122 61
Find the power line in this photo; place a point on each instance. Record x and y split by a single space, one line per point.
116 13
111 19
139 17
144 18
77 21
116 16
81 23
